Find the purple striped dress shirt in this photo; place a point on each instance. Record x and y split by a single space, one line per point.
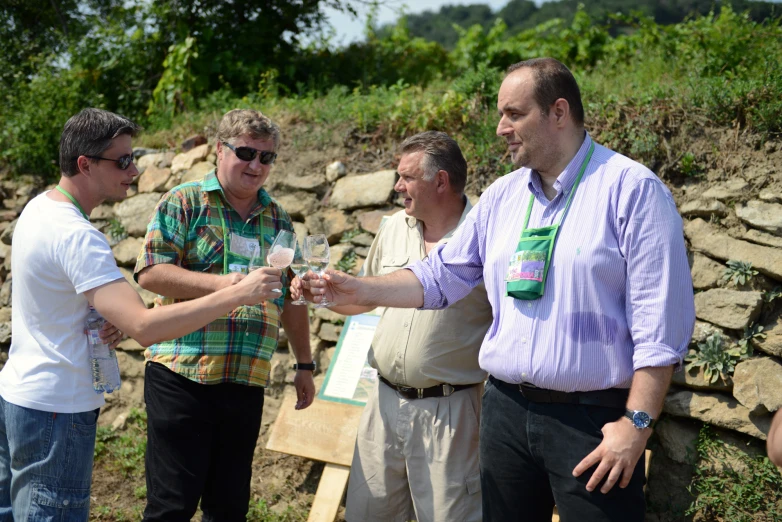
619 291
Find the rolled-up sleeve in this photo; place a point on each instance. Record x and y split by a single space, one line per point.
659 296
452 270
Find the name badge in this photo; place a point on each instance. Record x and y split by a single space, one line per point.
237 268
243 246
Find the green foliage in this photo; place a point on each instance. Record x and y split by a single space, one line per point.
772 295
347 263
716 360
520 15
687 165
731 485
169 64
174 92
116 230
124 450
350 234
739 272
260 512
752 334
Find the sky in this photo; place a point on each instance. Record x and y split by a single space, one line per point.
349 29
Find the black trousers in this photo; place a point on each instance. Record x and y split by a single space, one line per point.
200 444
528 452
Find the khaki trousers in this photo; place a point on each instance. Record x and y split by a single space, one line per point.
416 459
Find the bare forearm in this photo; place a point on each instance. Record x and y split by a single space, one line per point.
297 326
124 308
400 289
774 443
179 283
648 390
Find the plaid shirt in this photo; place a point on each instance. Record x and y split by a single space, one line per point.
186 231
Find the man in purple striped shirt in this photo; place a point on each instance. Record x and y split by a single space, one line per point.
578 375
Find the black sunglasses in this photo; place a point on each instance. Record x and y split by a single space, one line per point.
249 153
123 162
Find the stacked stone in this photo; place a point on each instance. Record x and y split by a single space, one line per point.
731 221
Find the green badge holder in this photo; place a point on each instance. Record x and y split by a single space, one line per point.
528 266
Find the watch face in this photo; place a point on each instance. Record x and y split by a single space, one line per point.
641 419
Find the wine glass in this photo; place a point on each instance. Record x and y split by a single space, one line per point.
282 251
316 252
256 259
299 267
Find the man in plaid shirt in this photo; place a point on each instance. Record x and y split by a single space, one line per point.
204 391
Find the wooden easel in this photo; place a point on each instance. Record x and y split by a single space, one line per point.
325 431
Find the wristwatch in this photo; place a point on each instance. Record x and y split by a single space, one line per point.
640 419
305 366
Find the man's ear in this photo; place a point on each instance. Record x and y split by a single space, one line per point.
443 182
84 165
219 150
561 111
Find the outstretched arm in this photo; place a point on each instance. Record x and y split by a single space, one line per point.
119 304
400 289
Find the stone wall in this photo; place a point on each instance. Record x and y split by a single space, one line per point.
727 221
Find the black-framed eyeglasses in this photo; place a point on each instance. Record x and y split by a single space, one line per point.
249 153
123 162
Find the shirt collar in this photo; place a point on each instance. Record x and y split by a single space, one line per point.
413 222
210 183
567 178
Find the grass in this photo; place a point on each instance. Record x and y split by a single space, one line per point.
733 486
122 452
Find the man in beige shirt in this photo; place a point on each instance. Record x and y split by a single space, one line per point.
417 448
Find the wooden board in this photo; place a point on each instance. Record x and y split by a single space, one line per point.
329 495
325 431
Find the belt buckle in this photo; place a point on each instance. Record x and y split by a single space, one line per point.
404 389
447 390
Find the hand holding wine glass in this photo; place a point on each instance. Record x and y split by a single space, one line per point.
299 267
282 251
316 252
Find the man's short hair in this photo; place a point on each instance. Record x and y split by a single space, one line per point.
238 122
89 133
553 81
441 152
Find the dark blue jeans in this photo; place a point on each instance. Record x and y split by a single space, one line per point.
45 464
528 452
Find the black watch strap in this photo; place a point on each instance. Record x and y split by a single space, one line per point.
304 366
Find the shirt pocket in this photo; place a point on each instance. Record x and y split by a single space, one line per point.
208 247
393 262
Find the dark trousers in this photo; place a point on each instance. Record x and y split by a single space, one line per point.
528 452
200 444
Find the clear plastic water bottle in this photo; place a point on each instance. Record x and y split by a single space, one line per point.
105 367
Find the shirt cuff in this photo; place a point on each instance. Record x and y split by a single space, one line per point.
433 298
656 355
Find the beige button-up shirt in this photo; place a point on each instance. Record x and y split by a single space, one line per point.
423 348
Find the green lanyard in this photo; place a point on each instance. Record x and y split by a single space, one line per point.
63 191
225 233
572 191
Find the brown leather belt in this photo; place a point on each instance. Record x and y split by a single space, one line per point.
611 398
440 390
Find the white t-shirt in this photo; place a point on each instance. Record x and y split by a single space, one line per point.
56 256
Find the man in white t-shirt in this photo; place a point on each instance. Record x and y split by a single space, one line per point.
61 265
